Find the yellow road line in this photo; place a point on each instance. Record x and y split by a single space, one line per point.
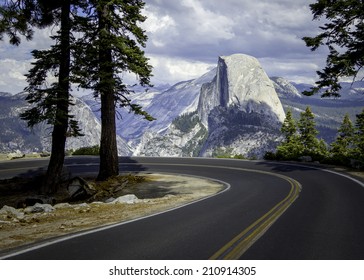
235 248
240 243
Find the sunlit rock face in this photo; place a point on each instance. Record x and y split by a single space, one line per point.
238 112
241 82
285 89
240 108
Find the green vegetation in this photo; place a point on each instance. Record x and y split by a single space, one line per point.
300 140
186 122
342 33
94 42
226 153
194 146
90 151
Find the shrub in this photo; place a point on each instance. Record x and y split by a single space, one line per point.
91 151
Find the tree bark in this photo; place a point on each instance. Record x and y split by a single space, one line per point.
109 165
59 134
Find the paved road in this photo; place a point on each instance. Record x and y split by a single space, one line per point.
324 222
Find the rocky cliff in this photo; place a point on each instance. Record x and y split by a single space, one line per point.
238 112
240 82
16 136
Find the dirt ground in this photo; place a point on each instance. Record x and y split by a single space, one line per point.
160 192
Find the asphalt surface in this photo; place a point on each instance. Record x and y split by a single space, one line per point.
324 222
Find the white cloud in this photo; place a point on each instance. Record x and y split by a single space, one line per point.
186 37
296 70
208 23
173 70
12 73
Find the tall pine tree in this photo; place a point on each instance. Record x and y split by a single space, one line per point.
50 104
342 147
289 128
307 130
291 148
359 136
110 46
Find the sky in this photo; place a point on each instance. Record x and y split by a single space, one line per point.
186 37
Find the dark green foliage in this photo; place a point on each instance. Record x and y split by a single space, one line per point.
300 140
359 137
289 128
343 34
194 146
186 122
307 131
50 103
110 45
18 17
46 98
347 149
91 151
98 41
342 147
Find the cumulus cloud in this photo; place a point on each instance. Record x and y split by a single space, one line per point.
200 31
12 73
172 70
16 61
186 37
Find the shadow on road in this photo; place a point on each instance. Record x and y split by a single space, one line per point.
285 166
127 164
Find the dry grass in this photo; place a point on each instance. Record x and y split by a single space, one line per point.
172 191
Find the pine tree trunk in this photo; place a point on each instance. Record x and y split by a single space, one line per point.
109 165
59 134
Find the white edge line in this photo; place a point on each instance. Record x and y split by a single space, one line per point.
71 236
360 183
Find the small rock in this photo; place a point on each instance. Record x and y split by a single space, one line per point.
11 212
110 199
39 208
97 203
62 205
128 199
83 205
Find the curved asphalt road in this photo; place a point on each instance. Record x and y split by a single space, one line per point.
324 222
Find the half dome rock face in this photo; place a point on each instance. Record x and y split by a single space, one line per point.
241 82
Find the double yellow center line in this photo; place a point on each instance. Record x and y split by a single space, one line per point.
239 244
235 248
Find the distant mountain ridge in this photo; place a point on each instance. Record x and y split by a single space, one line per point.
232 109
238 111
16 136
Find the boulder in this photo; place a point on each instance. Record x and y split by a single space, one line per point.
62 205
79 189
39 208
11 212
127 199
30 201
